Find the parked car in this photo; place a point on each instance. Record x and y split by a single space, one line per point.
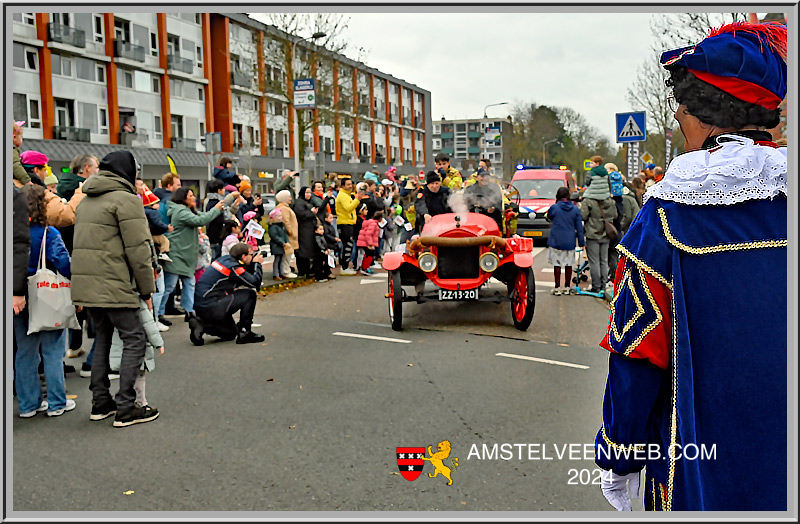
458 253
268 202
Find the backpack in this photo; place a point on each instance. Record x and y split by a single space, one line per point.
615 181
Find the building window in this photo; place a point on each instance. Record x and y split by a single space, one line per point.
258 137
199 56
201 93
26 107
153 44
25 18
156 81
101 73
177 126
197 19
202 132
126 79
26 58
255 104
97 27
122 30
157 126
102 114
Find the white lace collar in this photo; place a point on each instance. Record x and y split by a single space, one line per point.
735 171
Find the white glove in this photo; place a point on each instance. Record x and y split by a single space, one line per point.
615 489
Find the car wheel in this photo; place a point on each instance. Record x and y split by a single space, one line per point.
522 293
395 297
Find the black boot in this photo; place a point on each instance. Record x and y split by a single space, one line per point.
196 331
247 337
164 321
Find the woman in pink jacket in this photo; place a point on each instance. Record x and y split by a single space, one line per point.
368 238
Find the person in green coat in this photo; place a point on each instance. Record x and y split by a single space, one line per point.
184 246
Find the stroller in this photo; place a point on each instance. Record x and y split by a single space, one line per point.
581 270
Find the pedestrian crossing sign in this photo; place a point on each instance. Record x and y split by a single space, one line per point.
631 127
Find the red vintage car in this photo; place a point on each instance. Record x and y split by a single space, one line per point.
458 253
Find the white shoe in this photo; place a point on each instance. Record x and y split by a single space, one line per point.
69 406
113 374
291 275
556 291
75 353
348 272
161 327
29 414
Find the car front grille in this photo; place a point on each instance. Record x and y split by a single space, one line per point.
458 262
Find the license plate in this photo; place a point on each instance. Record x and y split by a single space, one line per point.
532 233
449 294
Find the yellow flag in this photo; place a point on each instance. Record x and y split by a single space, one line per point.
172 168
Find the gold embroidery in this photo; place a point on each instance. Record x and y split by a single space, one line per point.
673 430
630 256
756 244
620 447
640 311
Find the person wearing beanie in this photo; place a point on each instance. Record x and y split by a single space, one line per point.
112 270
431 200
251 203
229 285
697 362
50 180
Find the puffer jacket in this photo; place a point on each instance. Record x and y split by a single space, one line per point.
369 234
111 258
153 340
566 226
184 243
19 172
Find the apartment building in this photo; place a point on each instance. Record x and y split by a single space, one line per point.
185 84
469 140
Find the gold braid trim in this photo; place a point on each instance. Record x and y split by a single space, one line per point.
639 312
756 244
620 447
630 256
673 429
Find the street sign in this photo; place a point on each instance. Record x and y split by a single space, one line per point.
647 157
586 166
305 96
633 160
631 127
668 144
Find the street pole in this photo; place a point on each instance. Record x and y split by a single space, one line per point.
544 144
296 126
483 138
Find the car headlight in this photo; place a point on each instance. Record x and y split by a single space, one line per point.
427 262
488 262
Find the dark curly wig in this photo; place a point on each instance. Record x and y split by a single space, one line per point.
714 106
37 209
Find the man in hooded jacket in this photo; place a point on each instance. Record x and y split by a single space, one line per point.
112 269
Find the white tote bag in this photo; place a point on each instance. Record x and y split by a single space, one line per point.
50 305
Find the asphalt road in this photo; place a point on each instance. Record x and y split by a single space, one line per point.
310 420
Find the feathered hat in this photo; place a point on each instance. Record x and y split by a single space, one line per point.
746 60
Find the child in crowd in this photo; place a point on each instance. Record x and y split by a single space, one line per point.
615 185
278 238
153 340
333 240
367 242
248 238
231 231
566 227
321 251
157 226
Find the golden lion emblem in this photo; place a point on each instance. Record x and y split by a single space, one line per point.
437 459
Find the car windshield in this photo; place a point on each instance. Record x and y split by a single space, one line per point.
538 188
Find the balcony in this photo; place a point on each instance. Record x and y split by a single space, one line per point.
129 51
240 79
138 139
447 135
363 110
184 143
363 158
448 150
275 152
65 34
75 134
176 63
272 87
473 134
473 149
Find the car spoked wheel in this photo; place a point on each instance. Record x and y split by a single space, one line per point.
395 296
523 298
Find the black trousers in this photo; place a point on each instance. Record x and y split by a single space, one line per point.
131 331
346 235
218 320
303 265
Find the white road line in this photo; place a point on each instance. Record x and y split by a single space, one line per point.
368 281
370 337
546 270
543 360
538 250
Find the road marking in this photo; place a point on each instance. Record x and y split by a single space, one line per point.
368 281
543 360
546 270
370 337
538 250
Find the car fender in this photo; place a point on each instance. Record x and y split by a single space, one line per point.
392 260
524 259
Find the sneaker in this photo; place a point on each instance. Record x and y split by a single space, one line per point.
368 271
75 353
69 406
161 327
375 266
135 416
29 414
164 257
291 275
556 291
332 277
348 272
322 280
113 374
196 331
164 321
248 337
86 371
104 410
68 368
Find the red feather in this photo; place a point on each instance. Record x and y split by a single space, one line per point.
773 32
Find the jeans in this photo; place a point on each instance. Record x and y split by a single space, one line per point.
131 331
187 291
158 296
53 346
597 253
276 266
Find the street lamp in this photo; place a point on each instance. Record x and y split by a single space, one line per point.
548 142
297 180
484 127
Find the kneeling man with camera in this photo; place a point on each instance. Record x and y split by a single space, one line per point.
229 285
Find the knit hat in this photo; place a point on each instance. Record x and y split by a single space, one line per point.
249 215
386 182
245 185
33 158
745 60
283 196
391 174
50 178
432 176
148 197
275 213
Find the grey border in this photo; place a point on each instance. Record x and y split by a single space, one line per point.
791 514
